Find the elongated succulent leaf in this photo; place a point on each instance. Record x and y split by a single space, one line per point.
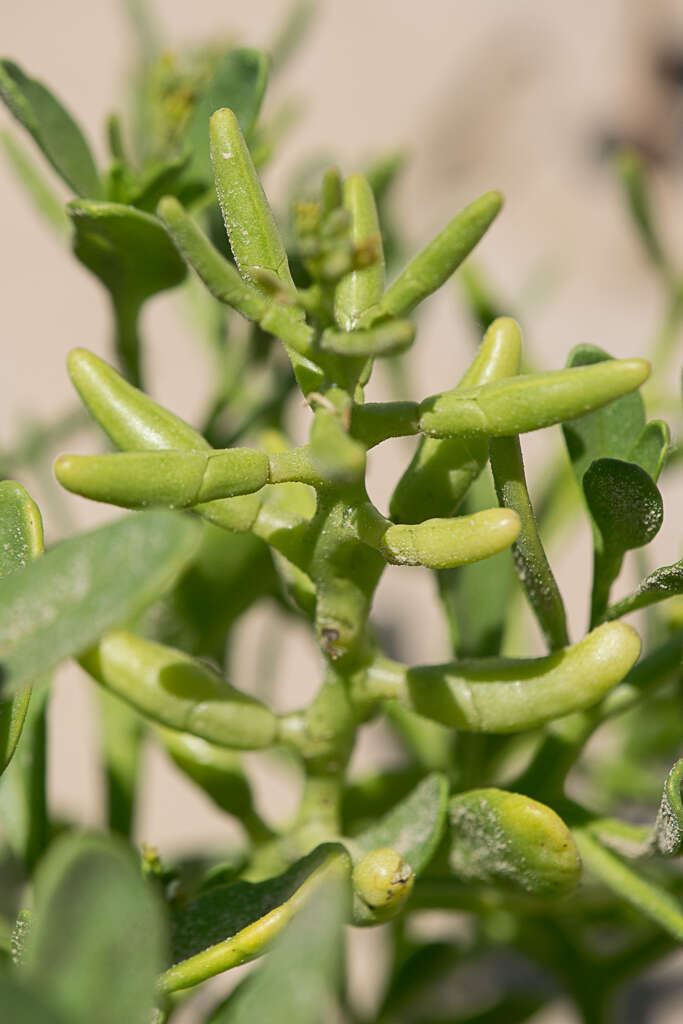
96 940
52 127
62 603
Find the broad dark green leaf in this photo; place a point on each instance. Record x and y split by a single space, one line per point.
20 1004
127 249
96 942
507 839
61 604
668 834
134 258
230 924
239 83
299 980
52 127
413 827
660 584
21 539
609 432
624 503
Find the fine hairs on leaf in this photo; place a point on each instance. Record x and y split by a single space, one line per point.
485 796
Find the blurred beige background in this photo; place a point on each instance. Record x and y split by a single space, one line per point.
486 94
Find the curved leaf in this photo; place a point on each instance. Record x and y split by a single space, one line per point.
61 604
52 127
228 925
660 584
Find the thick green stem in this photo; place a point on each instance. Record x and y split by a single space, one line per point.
529 555
127 338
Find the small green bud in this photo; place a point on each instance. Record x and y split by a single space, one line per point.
384 881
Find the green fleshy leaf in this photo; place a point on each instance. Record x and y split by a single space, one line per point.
510 840
21 1005
626 510
658 586
96 942
230 924
668 834
21 539
300 978
239 83
59 605
52 127
624 502
611 431
132 255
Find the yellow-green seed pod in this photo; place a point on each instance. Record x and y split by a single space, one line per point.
254 236
178 692
445 543
171 478
357 295
535 400
383 880
509 840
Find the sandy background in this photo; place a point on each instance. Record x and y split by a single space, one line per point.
487 94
